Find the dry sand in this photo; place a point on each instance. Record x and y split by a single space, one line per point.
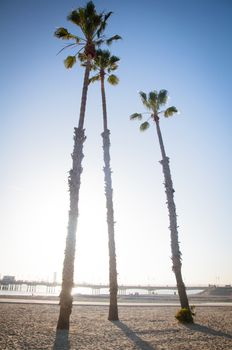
28 326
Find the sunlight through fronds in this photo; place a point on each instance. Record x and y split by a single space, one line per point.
92 26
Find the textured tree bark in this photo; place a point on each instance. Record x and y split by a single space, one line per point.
68 266
175 249
113 307
74 187
84 94
104 111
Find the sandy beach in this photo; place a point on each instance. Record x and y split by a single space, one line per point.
31 326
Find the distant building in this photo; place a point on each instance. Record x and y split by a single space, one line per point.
8 279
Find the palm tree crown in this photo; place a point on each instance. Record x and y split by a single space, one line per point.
92 26
153 101
104 63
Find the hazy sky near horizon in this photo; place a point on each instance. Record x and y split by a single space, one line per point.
182 46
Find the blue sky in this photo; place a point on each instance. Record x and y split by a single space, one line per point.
182 46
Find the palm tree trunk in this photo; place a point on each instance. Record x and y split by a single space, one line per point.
84 93
113 307
102 76
74 187
176 254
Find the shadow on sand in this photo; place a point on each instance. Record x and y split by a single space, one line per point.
61 340
140 343
210 331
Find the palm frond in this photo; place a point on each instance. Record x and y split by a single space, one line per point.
170 111
94 78
162 97
143 96
62 33
90 9
107 15
74 17
136 116
99 42
65 48
144 126
112 68
113 63
153 96
93 20
102 27
113 79
153 101
82 57
102 58
115 37
114 59
70 61
104 61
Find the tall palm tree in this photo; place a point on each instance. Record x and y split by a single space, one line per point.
153 102
92 26
104 64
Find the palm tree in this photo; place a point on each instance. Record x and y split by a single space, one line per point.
92 26
153 102
104 63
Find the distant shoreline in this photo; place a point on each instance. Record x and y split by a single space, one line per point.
122 300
